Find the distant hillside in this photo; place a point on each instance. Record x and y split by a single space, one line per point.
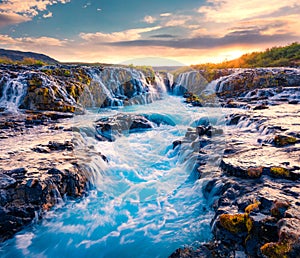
275 56
19 56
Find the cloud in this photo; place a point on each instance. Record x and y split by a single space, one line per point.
127 35
163 36
28 8
175 22
232 39
165 14
17 11
198 32
6 40
48 15
270 26
31 41
86 5
11 18
227 11
149 19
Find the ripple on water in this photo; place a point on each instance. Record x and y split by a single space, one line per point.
143 204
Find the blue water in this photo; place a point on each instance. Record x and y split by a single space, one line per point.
143 203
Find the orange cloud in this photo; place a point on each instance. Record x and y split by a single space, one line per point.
227 11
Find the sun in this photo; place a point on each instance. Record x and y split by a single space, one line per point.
233 54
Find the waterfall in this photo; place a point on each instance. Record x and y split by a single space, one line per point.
191 81
66 88
13 91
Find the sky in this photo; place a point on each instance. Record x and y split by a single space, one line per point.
156 32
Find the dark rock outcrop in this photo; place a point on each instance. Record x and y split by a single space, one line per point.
38 169
108 128
254 189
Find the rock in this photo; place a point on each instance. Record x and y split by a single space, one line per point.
261 107
176 143
202 252
234 223
58 146
283 140
288 244
280 172
40 149
18 173
279 208
294 102
109 128
6 181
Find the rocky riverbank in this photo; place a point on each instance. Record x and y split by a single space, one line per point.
253 168
44 159
39 167
250 160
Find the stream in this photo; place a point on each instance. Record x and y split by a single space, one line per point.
144 202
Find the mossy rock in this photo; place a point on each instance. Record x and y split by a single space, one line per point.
35 82
252 207
276 250
283 140
234 223
280 172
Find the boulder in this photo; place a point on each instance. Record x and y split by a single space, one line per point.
108 128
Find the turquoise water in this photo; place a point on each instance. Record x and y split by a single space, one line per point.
143 202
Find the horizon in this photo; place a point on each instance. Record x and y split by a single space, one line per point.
155 33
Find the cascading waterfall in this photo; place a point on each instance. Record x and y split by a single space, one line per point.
144 203
109 86
121 86
14 90
191 81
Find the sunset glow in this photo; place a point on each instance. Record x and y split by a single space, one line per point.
188 32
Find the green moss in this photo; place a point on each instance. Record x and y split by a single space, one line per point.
283 140
35 82
252 207
276 250
67 73
279 172
234 223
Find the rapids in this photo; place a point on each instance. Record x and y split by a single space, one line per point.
143 202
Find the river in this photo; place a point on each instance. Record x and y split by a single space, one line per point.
144 202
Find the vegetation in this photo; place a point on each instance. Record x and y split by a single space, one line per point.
271 57
24 61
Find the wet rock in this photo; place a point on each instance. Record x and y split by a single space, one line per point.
6 181
202 252
18 173
279 208
288 244
261 107
109 128
58 146
176 143
283 140
248 80
21 201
